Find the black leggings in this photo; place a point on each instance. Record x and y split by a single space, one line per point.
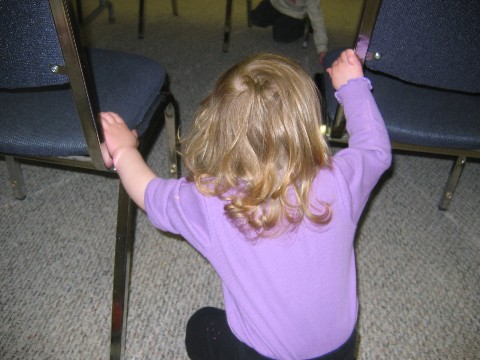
209 338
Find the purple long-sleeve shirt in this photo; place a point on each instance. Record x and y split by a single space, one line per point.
294 296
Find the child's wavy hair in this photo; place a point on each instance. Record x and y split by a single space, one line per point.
256 143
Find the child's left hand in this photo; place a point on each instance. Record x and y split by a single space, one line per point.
117 137
345 68
321 57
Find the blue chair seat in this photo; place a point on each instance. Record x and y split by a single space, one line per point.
57 131
427 116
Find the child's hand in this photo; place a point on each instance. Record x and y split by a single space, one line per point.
321 57
117 137
345 68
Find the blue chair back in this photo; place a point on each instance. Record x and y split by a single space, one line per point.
428 42
25 62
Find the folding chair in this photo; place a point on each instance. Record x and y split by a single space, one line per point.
423 58
51 90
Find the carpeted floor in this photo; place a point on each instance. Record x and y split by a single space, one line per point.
418 267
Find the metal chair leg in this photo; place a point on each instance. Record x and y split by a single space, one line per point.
228 23
79 12
452 182
228 26
121 275
171 133
16 177
103 4
111 12
141 19
174 7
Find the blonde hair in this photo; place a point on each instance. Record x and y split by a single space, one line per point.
256 143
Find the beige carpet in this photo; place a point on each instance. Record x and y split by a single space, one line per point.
418 268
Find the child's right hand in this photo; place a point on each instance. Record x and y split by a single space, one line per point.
120 150
118 137
345 68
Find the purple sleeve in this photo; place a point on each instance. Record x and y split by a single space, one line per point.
369 150
177 207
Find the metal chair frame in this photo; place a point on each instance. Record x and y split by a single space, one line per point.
102 5
336 128
228 23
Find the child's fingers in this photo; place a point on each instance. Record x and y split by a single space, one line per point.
111 118
117 118
352 57
106 117
348 56
107 158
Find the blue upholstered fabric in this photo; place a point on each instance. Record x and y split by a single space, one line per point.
429 42
424 116
43 122
420 115
25 62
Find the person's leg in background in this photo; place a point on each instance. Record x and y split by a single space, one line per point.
264 14
285 28
288 29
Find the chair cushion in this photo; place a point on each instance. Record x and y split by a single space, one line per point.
420 115
425 116
44 122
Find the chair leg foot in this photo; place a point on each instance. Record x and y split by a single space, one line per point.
16 177
249 10
452 182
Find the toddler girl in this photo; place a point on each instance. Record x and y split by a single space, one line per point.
269 207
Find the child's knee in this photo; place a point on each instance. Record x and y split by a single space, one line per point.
202 321
203 332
